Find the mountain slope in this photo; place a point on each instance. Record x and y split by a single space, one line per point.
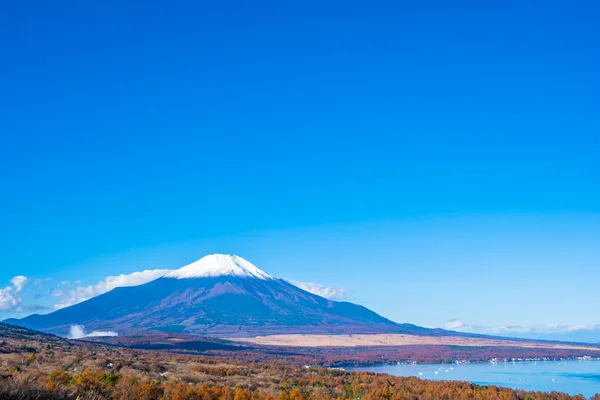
219 295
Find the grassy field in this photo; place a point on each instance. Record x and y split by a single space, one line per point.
369 340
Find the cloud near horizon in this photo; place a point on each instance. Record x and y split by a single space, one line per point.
320 290
10 296
456 324
82 293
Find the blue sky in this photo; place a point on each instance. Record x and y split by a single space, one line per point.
438 162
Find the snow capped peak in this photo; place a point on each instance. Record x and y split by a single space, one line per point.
219 265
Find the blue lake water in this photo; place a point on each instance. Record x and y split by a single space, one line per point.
572 377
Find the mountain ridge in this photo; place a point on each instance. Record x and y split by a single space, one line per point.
218 295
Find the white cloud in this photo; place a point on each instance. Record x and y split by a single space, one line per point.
10 298
19 282
320 290
78 332
454 325
558 328
82 293
516 330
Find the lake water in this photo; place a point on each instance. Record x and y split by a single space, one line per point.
572 377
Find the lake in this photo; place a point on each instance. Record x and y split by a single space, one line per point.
572 377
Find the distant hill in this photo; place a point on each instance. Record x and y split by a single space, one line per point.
8 331
218 295
16 339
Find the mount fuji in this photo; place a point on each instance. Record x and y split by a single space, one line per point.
218 295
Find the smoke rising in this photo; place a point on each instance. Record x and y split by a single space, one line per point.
78 332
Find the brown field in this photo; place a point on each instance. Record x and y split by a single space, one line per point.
371 340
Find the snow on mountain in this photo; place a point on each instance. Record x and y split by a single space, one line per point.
219 265
218 295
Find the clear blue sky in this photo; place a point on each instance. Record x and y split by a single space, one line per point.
428 158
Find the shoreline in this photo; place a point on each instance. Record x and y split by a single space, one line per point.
354 367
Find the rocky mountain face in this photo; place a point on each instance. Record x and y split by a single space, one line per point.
218 295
